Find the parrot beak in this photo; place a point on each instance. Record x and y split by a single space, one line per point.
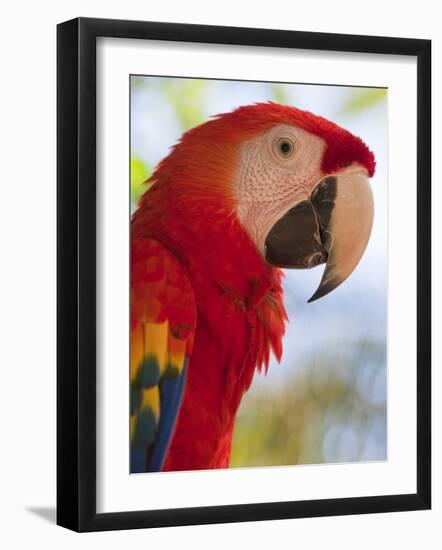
331 227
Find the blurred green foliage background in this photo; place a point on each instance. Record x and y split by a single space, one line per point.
327 401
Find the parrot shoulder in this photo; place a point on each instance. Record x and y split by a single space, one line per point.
163 321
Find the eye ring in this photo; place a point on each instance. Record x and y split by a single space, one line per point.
285 147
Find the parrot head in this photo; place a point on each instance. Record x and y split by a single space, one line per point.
297 183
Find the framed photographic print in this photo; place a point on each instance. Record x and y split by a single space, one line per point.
243 274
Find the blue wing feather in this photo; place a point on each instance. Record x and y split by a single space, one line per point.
171 392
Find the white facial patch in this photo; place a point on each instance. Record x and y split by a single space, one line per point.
277 170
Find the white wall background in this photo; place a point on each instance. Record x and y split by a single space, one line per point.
27 289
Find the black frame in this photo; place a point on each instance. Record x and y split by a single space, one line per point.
76 273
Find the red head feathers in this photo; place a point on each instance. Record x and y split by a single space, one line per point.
245 122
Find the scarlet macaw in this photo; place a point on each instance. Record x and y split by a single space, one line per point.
239 197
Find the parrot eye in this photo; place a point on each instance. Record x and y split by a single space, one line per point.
285 147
